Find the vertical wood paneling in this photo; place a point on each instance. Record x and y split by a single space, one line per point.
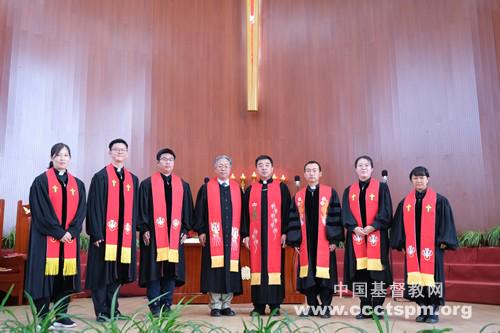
408 82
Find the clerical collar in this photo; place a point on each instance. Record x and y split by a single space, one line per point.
420 195
167 178
118 169
312 188
270 180
60 172
364 184
223 182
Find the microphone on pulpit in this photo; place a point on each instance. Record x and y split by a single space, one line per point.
297 181
384 179
206 180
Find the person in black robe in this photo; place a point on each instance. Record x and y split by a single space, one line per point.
265 294
428 298
220 283
103 277
373 283
161 277
312 286
44 222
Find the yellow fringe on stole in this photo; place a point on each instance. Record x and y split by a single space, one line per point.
52 266
274 278
69 267
217 261
162 254
323 272
255 279
374 265
126 257
173 256
303 271
234 265
110 252
361 263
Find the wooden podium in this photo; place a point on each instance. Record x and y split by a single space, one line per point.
192 252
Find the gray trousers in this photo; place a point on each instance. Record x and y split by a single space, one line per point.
220 301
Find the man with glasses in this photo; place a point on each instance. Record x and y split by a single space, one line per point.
166 210
218 216
112 213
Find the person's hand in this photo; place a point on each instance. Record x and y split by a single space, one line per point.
203 239
66 238
183 238
332 247
96 243
297 249
283 241
359 232
246 242
442 246
146 238
369 229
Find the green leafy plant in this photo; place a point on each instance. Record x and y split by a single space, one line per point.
9 241
84 242
471 239
493 236
435 330
483 329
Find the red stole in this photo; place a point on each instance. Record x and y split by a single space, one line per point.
167 249
323 248
367 253
215 225
423 275
113 212
273 233
56 199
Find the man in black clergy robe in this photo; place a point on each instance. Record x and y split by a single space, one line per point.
373 283
265 293
105 276
220 283
428 298
161 277
311 285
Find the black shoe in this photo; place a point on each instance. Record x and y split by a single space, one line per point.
254 312
275 313
325 315
227 312
102 317
215 313
309 313
64 323
432 319
362 316
119 316
420 319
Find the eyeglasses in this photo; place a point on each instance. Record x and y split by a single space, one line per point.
119 150
167 159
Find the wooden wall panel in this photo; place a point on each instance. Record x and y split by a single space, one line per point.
408 82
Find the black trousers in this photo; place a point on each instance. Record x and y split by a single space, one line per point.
59 291
325 296
261 308
102 298
371 301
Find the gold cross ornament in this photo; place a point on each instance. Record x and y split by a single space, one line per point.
113 182
428 207
55 188
353 197
372 196
128 187
408 207
72 191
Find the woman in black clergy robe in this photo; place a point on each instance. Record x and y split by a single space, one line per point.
59 226
445 238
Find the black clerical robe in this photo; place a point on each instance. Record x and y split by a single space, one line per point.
334 234
265 293
382 223
44 223
150 269
217 280
445 233
100 272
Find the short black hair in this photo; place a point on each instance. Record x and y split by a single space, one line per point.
263 157
419 171
312 162
164 151
119 140
366 157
